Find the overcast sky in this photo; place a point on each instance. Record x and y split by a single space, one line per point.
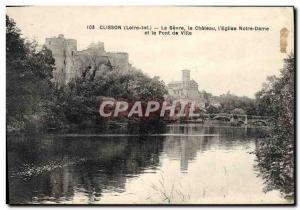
238 61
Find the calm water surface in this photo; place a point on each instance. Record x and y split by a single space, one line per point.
187 164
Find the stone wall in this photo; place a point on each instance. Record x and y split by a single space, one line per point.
63 51
119 60
70 63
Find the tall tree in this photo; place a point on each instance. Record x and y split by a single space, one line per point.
276 152
28 78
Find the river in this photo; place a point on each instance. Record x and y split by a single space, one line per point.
187 164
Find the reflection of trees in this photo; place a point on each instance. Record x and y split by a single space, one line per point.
88 165
185 148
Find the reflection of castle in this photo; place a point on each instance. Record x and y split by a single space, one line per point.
185 148
70 63
186 89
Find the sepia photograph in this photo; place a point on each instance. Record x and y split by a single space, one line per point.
150 105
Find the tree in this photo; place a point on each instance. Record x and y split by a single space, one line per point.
212 109
28 77
276 152
229 102
238 111
264 97
82 94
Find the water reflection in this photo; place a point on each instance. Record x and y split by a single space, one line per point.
185 148
126 169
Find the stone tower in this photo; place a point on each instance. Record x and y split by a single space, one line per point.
64 52
186 75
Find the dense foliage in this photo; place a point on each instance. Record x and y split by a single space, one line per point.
230 103
276 151
83 95
28 77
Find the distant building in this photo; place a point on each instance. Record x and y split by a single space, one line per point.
186 89
70 63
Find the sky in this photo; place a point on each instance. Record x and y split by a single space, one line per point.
234 61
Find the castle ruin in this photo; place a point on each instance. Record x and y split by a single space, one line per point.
70 63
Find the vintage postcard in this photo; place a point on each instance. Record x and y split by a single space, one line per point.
150 105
